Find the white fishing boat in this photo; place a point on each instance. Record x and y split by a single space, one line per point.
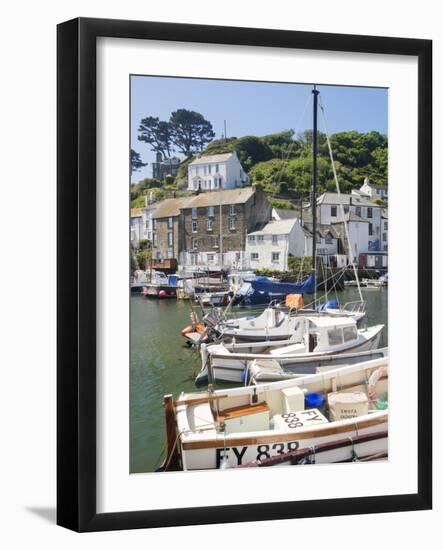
314 414
275 369
275 322
312 338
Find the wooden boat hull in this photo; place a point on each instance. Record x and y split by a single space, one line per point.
235 427
239 451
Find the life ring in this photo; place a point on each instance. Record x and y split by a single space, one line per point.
378 374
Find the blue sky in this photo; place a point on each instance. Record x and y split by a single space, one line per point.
252 108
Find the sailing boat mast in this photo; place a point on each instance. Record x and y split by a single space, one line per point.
314 189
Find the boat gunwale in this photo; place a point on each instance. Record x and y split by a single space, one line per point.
341 426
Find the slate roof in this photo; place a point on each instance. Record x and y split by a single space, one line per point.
345 198
215 198
206 159
278 227
169 207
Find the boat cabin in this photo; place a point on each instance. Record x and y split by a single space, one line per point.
321 334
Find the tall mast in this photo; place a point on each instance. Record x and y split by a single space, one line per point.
314 189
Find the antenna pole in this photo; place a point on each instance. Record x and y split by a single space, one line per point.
314 189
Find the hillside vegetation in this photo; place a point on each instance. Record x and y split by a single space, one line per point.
281 163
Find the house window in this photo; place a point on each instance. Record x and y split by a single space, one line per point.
170 222
170 253
147 224
328 239
204 170
385 225
333 211
385 237
194 226
154 224
346 208
216 167
276 256
210 211
209 168
385 247
194 244
358 210
215 183
215 242
170 238
274 239
251 239
370 231
369 212
254 257
210 258
232 209
261 238
194 213
209 225
232 224
154 239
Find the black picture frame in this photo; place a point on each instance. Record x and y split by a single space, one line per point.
76 282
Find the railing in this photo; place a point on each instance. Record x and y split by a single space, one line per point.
357 306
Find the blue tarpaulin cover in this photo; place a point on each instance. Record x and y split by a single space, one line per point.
262 285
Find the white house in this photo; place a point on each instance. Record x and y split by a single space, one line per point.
141 222
358 210
213 172
136 226
374 191
271 246
326 241
384 229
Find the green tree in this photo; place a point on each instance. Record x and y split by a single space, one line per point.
251 150
282 144
190 131
136 161
157 133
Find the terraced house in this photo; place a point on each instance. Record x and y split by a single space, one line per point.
216 224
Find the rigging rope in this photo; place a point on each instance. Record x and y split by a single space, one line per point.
341 204
289 151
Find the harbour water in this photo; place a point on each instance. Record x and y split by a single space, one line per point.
162 363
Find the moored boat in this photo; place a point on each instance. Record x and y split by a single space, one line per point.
228 428
313 337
